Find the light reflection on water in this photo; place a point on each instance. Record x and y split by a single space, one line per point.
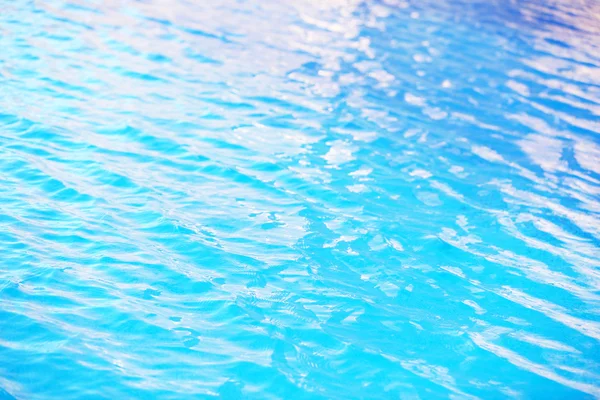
310 199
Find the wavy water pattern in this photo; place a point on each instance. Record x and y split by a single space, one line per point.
300 199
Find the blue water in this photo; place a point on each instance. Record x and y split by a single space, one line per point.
310 199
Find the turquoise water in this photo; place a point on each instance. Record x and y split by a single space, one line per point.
299 199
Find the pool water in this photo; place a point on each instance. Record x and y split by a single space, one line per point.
300 199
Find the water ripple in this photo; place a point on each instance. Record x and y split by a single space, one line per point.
311 199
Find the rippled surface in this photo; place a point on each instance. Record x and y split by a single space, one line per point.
299 199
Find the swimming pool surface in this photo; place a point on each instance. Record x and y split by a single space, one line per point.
309 199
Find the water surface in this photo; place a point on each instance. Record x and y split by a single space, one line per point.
299 199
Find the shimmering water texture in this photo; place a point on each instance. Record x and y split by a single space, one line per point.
308 199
